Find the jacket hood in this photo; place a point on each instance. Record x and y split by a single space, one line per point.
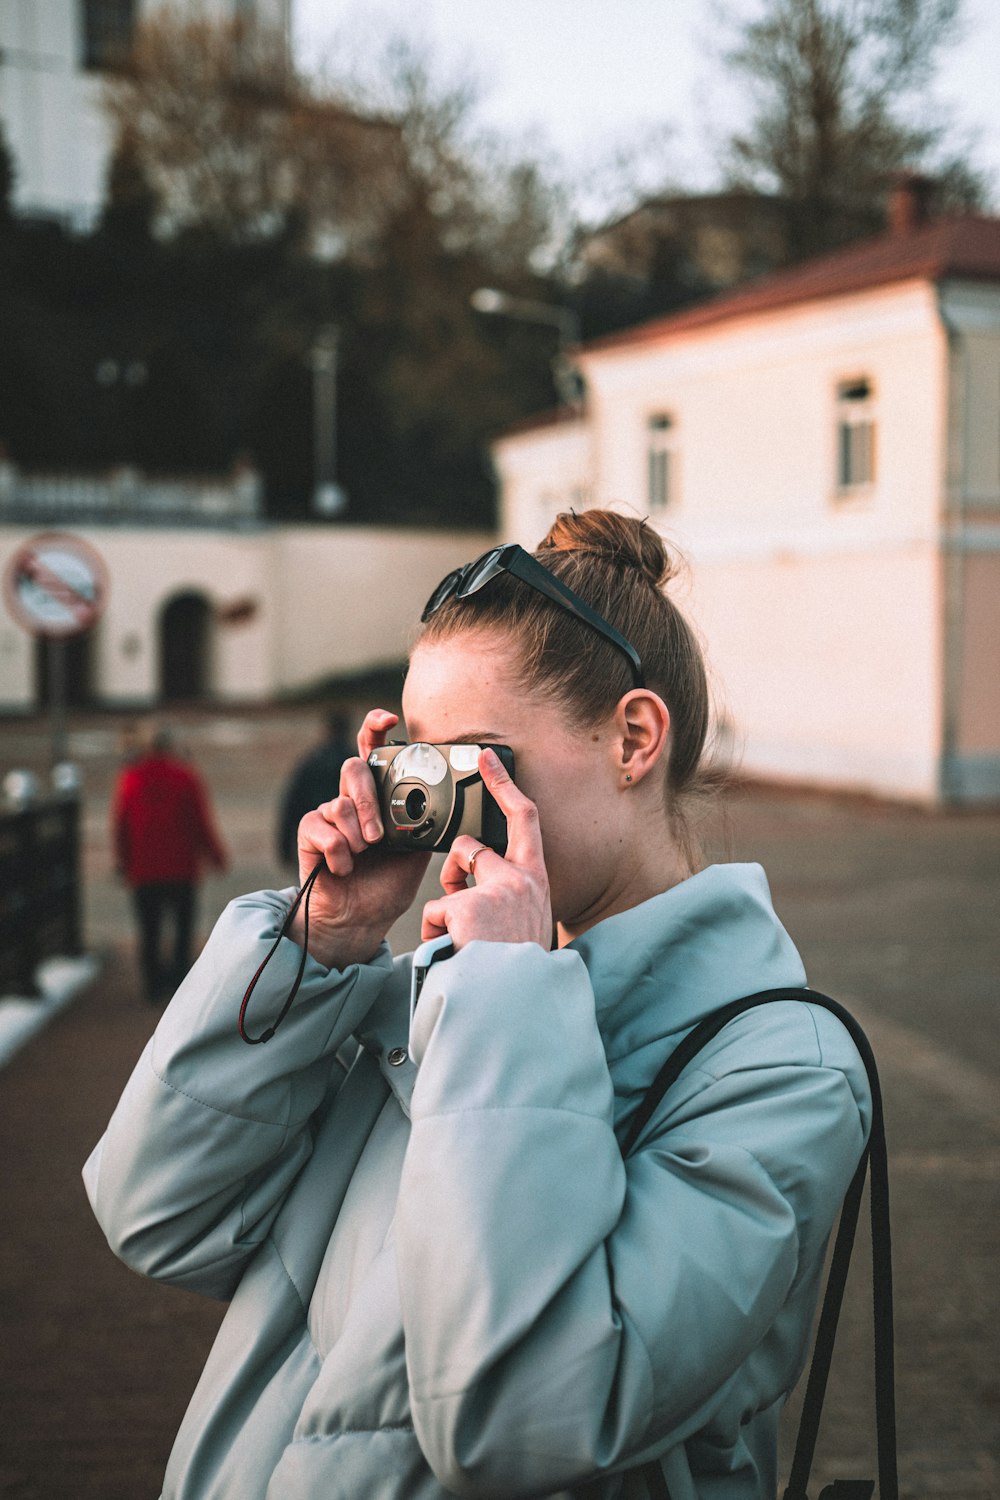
715 937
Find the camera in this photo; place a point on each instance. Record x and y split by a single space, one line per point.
429 794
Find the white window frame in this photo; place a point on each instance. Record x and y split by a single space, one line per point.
856 453
661 462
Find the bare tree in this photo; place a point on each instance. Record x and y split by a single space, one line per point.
838 93
486 195
402 207
231 138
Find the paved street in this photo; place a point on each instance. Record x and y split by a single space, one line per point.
895 911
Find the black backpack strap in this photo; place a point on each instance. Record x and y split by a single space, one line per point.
874 1158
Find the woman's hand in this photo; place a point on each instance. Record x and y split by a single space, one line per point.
363 889
510 900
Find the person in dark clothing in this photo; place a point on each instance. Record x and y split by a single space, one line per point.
163 833
315 779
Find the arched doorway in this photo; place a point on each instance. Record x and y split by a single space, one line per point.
185 645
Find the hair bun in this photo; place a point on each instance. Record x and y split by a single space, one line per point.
617 539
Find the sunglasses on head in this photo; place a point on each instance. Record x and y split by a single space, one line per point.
461 582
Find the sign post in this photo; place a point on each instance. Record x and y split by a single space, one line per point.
56 586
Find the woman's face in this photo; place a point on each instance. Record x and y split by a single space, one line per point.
465 687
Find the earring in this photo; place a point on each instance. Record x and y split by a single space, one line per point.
627 776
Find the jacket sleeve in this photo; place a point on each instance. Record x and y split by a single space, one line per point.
567 1313
210 1134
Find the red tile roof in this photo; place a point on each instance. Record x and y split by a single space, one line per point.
962 247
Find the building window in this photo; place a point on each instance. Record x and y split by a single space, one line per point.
108 30
661 462
855 434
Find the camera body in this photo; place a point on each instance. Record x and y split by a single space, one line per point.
429 794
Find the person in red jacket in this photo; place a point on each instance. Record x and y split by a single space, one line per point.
163 832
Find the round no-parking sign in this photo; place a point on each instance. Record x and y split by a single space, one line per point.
56 585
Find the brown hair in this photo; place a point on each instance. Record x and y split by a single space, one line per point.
621 567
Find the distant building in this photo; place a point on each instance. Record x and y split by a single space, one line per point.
824 446
708 241
673 250
54 58
711 241
208 601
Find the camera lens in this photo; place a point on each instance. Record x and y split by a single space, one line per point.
416 804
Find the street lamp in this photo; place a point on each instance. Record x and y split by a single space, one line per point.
329 498
493 302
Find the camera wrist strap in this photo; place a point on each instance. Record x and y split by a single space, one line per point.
304 891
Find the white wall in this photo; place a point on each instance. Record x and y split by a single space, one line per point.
828 670
754 409
17 685
346 597
328 599
821 614
542 471
147 569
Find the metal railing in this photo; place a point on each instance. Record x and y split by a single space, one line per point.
130 497
39 889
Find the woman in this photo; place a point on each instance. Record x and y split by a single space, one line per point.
443 1277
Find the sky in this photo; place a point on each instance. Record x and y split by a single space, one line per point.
584 77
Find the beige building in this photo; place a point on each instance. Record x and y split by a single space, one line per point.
54 57
823 446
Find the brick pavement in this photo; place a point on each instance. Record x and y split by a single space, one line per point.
96 1365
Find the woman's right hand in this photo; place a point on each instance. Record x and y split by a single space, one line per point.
363 888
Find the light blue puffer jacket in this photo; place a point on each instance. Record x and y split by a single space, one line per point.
442 1277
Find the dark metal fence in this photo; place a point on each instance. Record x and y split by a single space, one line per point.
39 889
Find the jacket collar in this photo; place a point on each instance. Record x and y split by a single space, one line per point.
658 968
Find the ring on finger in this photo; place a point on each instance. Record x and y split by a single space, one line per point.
474 856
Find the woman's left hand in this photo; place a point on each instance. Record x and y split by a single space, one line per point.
510 900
